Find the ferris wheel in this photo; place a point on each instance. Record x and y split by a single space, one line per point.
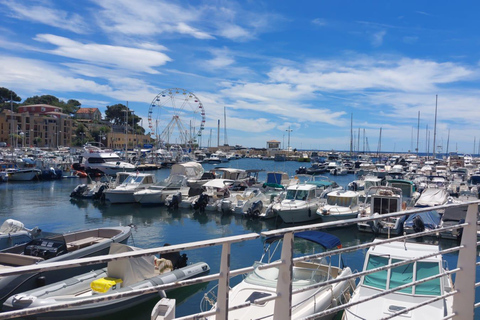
176 116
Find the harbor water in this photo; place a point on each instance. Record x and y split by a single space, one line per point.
47 205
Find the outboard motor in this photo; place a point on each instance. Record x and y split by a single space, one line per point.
78 191
255 209
175 202
100 193
201 202
418 224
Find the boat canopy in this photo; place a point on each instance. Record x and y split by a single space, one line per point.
218 183
328 241
192 170
432 197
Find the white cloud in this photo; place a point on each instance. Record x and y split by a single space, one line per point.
134 59
377 38
319 22
48 16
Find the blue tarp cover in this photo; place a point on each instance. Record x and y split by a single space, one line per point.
431 219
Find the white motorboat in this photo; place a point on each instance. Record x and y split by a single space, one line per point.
121 275
58 247
377 282
105 161
158 193
214 192
340 205
124 193
300 204
14 174
383 200
262 282
240 202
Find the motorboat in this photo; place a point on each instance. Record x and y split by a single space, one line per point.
262 282
214 192
121 275
53 248
382 200
240 202
375 283
93 190
278 180
124 193
340 205
409 191
323 185
158 193
27 174
14 232
300 204
196 175
102 161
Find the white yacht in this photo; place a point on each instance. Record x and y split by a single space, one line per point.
158 193
104 161
384 254
123 193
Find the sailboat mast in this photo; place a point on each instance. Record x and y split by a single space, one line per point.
418 130
351 134
448 140
435 126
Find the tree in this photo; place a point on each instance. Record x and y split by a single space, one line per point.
71 107
7 96
116 113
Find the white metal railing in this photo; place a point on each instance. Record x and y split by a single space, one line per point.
463 294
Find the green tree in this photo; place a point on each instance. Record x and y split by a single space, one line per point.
7 96
71 107
116 114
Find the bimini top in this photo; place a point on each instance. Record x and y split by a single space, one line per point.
328 241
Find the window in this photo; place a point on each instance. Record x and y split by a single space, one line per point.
425 270
401 275
377 279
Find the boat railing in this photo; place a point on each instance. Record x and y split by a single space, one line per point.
463 292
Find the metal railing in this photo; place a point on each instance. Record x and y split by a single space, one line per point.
463 293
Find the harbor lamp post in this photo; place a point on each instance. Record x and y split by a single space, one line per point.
289 130
22 135
59 133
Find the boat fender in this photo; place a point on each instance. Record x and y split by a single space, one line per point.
334 302
404 205
41 281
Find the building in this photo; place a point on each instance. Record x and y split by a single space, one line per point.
273 145
91 114
37 125
117 140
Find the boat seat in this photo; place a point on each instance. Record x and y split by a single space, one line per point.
82 243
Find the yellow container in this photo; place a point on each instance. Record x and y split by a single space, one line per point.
106 284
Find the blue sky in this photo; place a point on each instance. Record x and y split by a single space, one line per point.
272 65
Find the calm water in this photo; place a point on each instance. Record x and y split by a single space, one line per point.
47 205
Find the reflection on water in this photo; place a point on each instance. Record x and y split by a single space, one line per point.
47 204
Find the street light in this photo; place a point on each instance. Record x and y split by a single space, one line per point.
289 130
59 132
22 134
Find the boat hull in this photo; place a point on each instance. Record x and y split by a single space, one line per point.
14 284
67 291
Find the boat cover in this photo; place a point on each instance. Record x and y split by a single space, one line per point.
432 197
328 241
192 170
11 226
431 219
275 177
130 270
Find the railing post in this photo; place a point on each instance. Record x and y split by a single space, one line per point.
283 304
223 284
464 300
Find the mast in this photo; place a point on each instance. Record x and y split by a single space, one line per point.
379 143
225 140
351 134
435 126
218 133
448 140
126 133
418 131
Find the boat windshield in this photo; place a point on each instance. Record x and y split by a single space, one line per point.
341 201
406 188
296 195
133 180
402 275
